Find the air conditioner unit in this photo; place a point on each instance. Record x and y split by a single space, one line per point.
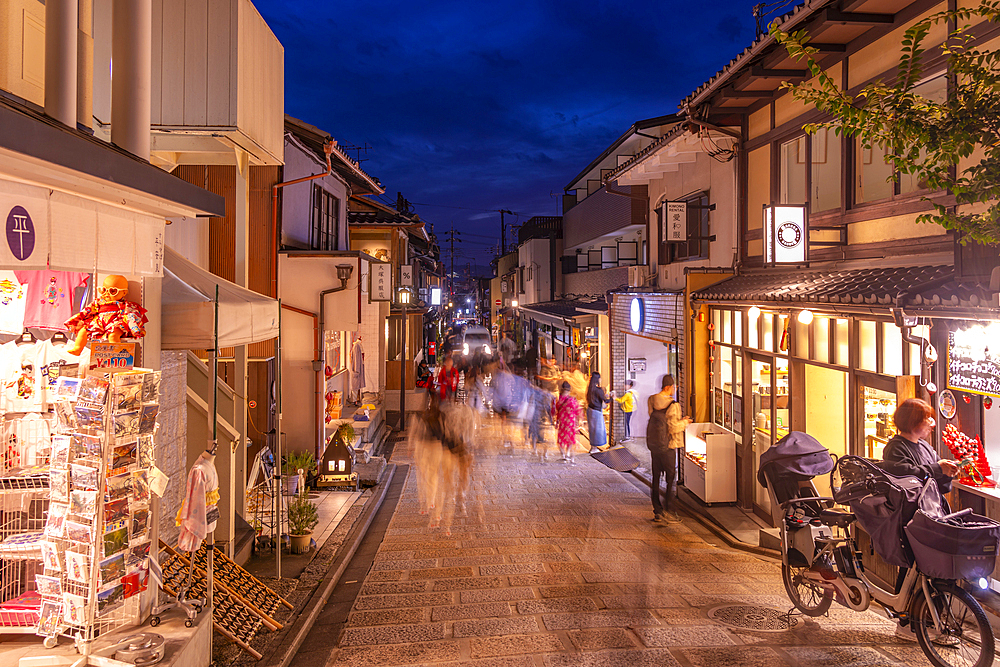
637 276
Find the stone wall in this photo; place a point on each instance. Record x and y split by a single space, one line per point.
171 440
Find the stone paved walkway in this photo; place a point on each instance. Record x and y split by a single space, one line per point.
560 565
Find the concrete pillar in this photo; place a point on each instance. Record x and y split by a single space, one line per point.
61 26
131 75
152 299
85 65
241 353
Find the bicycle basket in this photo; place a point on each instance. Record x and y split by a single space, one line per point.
961 547
882 503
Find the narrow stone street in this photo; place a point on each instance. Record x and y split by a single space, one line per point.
561 565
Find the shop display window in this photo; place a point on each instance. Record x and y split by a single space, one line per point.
727 326
867 350
767 332
878 407
892 349
738 327
821 339
753 331
842 342
716 324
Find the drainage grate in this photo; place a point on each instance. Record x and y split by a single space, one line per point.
749 617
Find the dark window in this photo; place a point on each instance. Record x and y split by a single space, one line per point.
325 216
696 246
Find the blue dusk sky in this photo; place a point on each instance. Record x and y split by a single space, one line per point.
470 107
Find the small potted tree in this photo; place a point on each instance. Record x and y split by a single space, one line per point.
295 461
302 518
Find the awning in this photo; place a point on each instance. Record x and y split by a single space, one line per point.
189 309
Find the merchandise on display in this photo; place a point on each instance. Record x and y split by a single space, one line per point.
74 493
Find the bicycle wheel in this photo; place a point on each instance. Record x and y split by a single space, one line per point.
808 597
965 640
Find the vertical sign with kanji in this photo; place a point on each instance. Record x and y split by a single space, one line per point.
674 221
381 282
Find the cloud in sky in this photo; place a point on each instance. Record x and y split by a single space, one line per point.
479 106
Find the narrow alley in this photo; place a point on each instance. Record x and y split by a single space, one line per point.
561 565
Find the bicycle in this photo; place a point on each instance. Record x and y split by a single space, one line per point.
821 561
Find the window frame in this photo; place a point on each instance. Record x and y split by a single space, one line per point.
324 227
698 225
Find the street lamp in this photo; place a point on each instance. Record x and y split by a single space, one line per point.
513 303
404 299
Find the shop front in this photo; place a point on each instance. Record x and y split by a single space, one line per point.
647 342
827 368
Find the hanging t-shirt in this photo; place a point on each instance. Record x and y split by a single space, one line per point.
49 302
12 300
54 361
22 390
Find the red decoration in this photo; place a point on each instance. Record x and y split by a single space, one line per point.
329 372
970 452
987 402
967 399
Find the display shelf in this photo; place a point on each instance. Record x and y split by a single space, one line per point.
710 463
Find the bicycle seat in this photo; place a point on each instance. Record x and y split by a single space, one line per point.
835 517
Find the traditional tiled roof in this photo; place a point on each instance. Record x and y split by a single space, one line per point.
923 287
379 218
566 308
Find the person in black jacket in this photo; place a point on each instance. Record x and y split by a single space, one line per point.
597 398
908 451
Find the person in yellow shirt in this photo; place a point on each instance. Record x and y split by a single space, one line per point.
627 403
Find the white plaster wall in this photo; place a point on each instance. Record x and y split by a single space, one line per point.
301 279
298 382
296 200
719 179
189 238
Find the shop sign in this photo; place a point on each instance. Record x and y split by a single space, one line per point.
947 405
380 278
636 365
637 314
785 234
113 355
503 286
972 366
675 221
435 296
406 275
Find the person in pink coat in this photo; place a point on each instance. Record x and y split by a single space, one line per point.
566 412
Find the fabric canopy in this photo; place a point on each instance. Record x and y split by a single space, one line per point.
189 309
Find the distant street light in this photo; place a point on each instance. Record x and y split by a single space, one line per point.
514 303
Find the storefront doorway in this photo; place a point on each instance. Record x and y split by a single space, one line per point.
877 401
826 410
769 404
646 362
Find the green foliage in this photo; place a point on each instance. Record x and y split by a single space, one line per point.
345 433
295 460
302 515
921 137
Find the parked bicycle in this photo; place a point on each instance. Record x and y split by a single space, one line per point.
910 527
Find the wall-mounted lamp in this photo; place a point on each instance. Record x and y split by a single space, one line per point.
513 304
805 316
404 296
753 313
344 272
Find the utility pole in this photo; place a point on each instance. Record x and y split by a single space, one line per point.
503 232
451 278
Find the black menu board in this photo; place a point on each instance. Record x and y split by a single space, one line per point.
973 375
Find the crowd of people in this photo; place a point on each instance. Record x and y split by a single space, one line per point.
475 401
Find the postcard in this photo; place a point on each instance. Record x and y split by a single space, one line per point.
68 388
147 418
93 390
124 455
50 557
140 523
145 451
83 477
77 567
86 446
48 586
74 609
88 416
49 618
137 555
118 487
126 424
83 503
59 486
80 532
140 487
60 451
110 599
112 569
127 398
115 511
151 387
66 420
115 541
55 523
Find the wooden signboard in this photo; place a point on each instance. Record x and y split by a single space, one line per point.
975 375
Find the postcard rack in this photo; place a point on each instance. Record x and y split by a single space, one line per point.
96 547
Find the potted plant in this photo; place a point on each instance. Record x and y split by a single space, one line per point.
345 434
295 461
302 518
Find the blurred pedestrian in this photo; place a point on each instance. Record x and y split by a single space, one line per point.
665 438
597 398
447 379
541 410
507 348
566 412
627 403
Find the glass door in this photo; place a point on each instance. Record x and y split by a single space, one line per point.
876 403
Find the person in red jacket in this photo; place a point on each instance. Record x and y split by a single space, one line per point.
447 379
